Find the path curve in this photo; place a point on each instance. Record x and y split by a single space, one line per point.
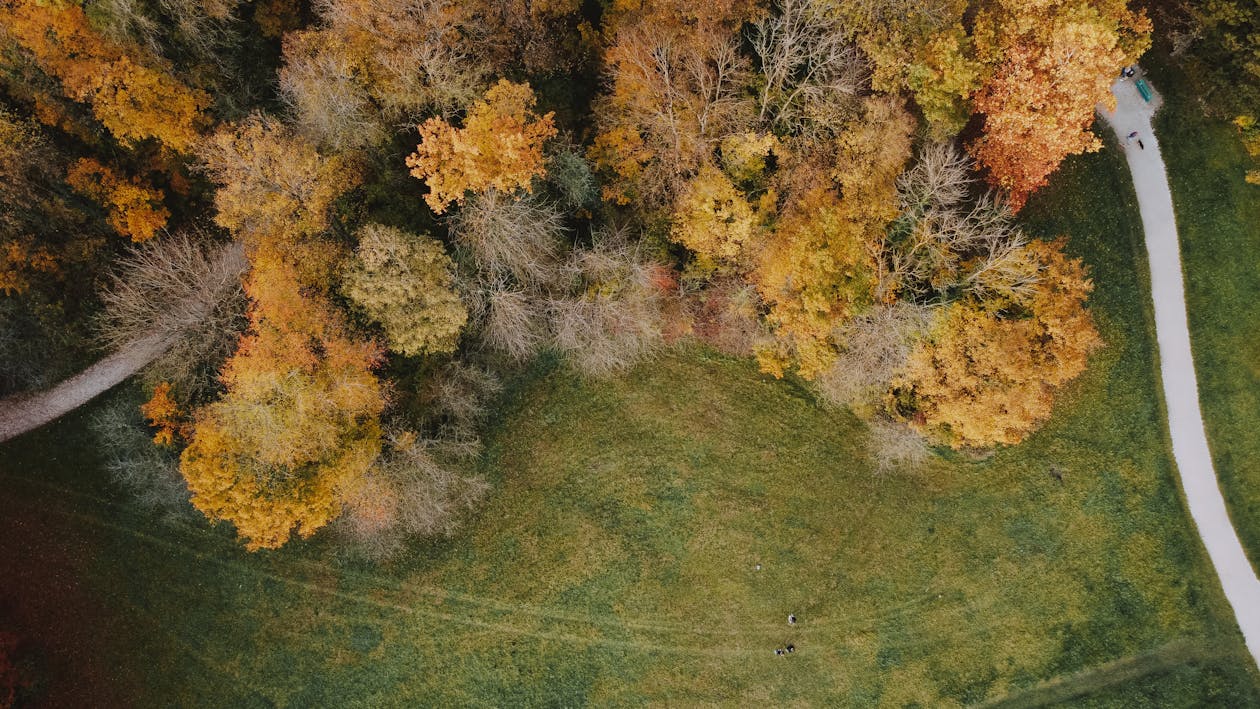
1181 391
27 412
30 410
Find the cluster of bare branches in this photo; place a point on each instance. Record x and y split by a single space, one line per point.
422 485
813 74
944 245
326 103
197 27
894 445
422 51
415 489
147 472
530 290
874 346
612 317
518 238
183 286
726 315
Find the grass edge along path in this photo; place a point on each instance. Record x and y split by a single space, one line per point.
1181 394
1217 217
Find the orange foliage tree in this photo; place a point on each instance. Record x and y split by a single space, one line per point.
499 147
134 209
1054 62
988 372
133 99
298 427
676 92
163 413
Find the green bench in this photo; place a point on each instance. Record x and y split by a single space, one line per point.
1144 89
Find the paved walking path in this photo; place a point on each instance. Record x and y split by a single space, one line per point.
27 412
1181 391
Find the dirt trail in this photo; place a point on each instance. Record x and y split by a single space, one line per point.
1181 391
27 412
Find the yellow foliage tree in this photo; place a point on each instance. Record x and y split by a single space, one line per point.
134 100
405 283
499 147
299 425
818 268
134 209
816 271
923 48
712 218
744 155
988 372
272 182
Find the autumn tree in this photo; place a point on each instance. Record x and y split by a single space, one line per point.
134 97
416 488
369 65
1054 62
1219 43
611 317
499 147
163 414
918 46
676 92
819 266
542 35
945 244
811 74
272 181
713 218
988 371
405 282
329 105
134 209
816 272
28 163
682 14
516 239
872 348
298 427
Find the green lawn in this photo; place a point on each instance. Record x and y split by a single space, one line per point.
1218 220
615 562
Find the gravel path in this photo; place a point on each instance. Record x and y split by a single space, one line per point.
26 412
1181 391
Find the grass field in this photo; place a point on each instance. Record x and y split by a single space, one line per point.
1218 220
616 561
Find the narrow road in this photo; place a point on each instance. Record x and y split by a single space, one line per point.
27 412
1181 390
